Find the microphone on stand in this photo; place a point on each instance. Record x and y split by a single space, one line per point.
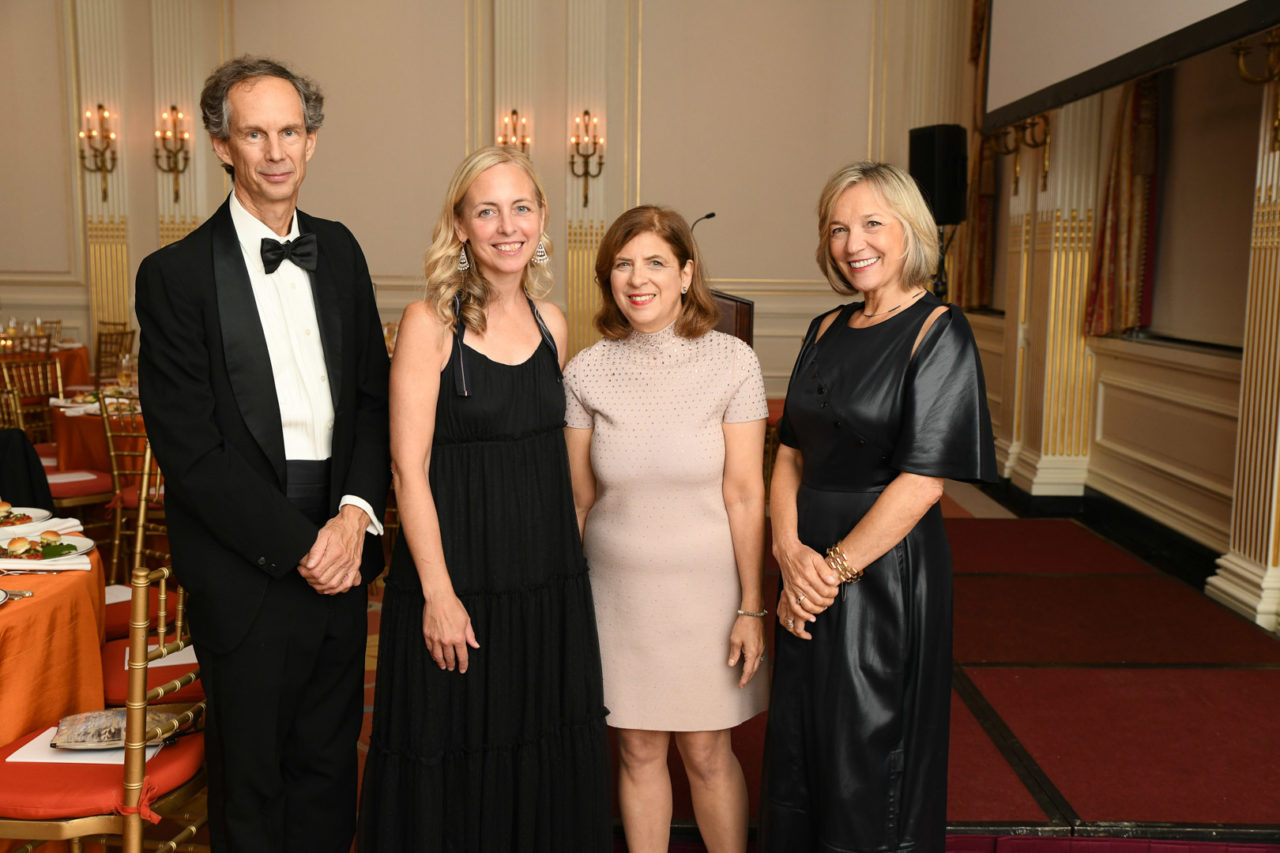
711 215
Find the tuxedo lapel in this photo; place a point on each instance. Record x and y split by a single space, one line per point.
324 293
244 345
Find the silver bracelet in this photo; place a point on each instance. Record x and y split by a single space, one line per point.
759 614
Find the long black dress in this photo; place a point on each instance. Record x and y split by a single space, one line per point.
856 746
512 755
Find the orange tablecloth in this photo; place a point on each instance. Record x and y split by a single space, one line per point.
82 443
74 363
50 649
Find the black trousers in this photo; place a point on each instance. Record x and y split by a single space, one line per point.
285 709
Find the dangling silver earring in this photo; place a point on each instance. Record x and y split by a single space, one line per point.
463 263
540 255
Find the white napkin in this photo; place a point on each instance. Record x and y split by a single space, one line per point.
62 525
67 344
68 476
77 563
76 411
38 751
118 592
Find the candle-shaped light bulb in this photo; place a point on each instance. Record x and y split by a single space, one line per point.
164 116
113 134
181 116
106 113
186 135
82 134
576 119
157 134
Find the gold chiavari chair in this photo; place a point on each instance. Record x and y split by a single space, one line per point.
127 447
110 345
70 802
52 328
35 381
31 345
10 410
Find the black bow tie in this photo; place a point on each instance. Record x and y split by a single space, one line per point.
301 251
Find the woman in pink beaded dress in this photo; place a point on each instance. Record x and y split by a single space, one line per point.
665 430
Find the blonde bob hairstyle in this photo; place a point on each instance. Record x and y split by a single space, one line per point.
444 279
905 203
698 310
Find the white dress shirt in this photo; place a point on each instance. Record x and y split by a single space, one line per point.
288 315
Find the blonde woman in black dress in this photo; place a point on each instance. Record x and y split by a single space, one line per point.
885 401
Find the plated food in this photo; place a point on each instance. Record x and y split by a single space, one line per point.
12 516
48 545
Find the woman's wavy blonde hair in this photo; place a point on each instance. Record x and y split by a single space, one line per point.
444 279
906 204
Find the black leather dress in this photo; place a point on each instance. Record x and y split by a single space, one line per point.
856 749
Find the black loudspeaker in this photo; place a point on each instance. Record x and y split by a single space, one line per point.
939 161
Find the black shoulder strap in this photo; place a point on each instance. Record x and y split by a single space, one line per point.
460 385
546 334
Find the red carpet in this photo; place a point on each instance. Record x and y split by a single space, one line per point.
1141 705
981 787
1041 546
1123 619
1176 746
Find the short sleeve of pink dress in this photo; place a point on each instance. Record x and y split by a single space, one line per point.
657 540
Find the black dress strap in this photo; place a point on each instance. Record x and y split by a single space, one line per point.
460 385
546 336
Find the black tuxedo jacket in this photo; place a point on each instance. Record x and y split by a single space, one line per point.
209 398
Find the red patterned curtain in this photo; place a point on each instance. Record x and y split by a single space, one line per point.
1119 297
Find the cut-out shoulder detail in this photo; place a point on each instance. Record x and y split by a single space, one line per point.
928 324
826 323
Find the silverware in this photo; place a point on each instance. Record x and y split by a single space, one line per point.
19 593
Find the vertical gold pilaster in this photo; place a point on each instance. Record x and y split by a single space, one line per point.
174 229
584 240
1248 575
109 289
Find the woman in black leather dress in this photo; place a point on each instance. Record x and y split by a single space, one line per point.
885 401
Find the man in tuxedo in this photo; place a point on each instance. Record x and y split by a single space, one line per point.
263 376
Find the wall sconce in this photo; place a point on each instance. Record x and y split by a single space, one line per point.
1029 133
515 131
98 153
586 135
172 156
1241 50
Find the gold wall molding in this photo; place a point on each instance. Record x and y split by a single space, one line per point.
1248 575
583 296
109 286
173 229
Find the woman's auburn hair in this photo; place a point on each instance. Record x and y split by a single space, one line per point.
444 279
698 310
906 204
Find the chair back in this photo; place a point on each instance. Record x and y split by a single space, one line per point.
111 344
10 410
737 316
31 345
151 642
52 328
126 439
35 381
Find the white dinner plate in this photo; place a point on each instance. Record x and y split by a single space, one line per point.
37 515
83 546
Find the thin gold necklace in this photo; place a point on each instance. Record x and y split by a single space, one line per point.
917 295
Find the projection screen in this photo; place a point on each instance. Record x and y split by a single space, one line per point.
1046 53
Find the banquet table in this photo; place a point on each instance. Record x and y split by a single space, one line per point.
50 648
82 443
73 361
